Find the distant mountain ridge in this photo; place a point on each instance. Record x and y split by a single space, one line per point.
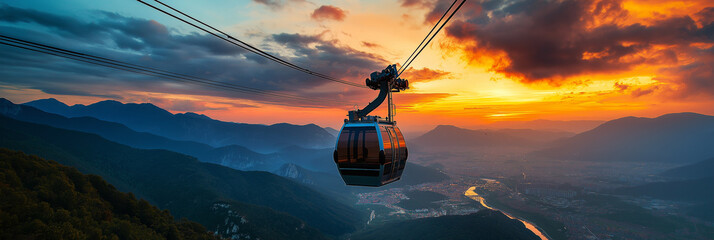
697 170
448 136
146 117
575 126
233 156
676 138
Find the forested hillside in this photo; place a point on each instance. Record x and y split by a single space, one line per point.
42 199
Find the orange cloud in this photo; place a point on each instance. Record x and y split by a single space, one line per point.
560 42
327 12
424 74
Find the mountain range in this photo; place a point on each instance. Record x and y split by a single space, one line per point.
575 126
259 203
146 117
234 156
680 138
696 170
307 163
452 138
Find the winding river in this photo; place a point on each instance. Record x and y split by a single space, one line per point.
532 227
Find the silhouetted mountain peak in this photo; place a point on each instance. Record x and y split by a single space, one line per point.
446 127
8 108
451 129
675 137
136 108
49 102
633 126
683 115
49 105
194 115
107 103
4 101
461 138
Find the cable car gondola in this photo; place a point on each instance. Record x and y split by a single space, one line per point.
370 151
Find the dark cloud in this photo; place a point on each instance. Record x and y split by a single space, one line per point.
697 77
60 23
706 16
327 12
62 90
550 41
644 91
350 62
437 8
149 43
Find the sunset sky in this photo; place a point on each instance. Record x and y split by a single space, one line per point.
495 61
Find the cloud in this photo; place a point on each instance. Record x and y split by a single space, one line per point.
277 4
621 86
328 12
706 16
644 91
338 59
694 78
424 74
370 44
538 41
437 8
147 42
57 22
411 3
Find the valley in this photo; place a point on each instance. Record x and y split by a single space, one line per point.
556 198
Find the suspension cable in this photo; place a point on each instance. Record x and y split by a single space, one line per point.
242 44
428 34
406 66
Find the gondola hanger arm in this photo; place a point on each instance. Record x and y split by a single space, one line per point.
387 82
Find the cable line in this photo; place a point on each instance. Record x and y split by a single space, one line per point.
115 64
405 67
232 40
428 34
